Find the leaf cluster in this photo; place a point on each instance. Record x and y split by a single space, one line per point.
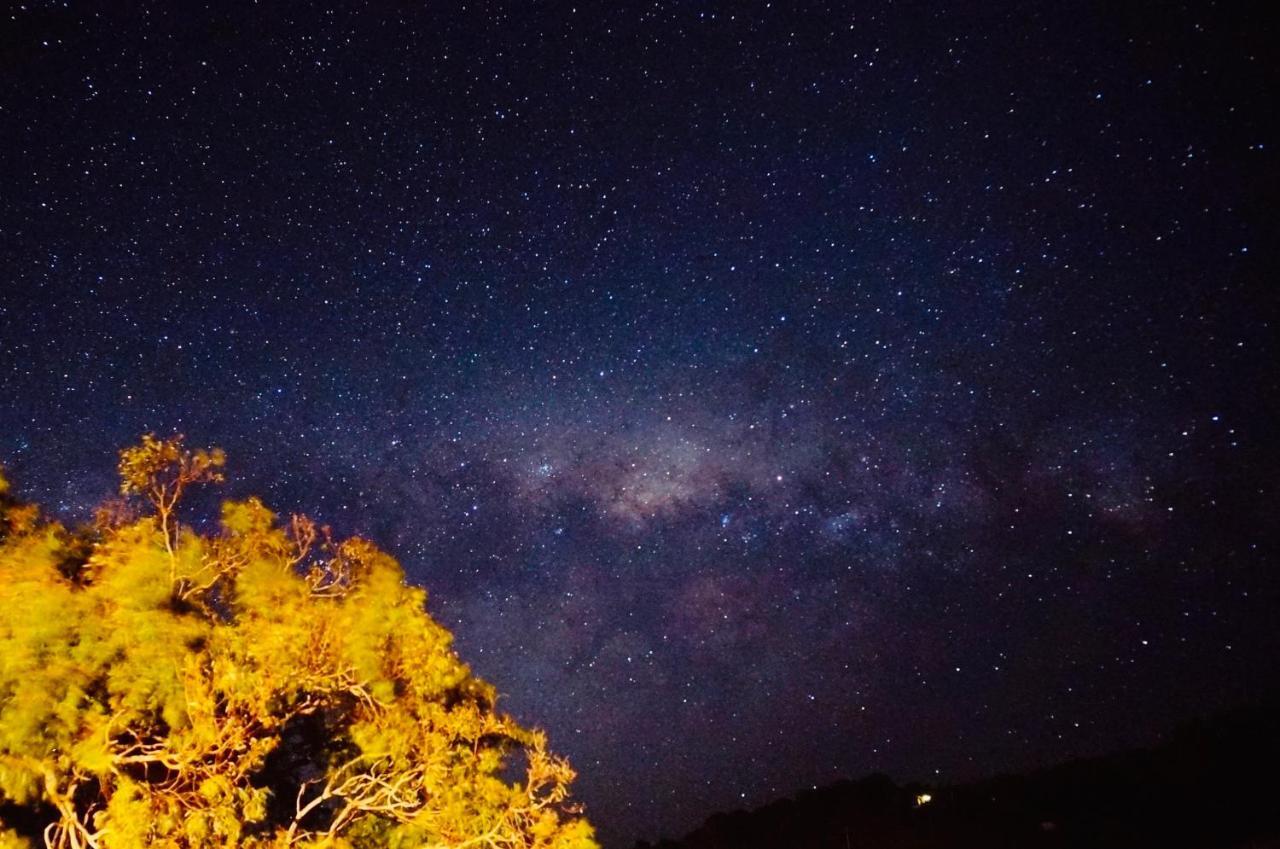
264 686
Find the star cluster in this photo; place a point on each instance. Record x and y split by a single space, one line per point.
765 393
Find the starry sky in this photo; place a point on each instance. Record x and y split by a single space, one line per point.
766 393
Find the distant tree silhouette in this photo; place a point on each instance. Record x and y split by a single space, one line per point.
1211 785
265 686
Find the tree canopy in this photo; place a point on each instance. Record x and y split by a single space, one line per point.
262 686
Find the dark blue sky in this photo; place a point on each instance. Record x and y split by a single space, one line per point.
766 393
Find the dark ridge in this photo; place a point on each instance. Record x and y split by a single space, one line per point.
1211 785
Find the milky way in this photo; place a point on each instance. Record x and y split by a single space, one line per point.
765 393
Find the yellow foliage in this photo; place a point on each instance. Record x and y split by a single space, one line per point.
264 687
163 465
10 839
246 518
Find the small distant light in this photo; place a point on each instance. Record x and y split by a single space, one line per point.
923 799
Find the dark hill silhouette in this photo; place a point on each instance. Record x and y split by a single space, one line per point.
1213 785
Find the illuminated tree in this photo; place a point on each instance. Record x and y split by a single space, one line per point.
264 687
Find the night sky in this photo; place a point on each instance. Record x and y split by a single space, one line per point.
766 394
